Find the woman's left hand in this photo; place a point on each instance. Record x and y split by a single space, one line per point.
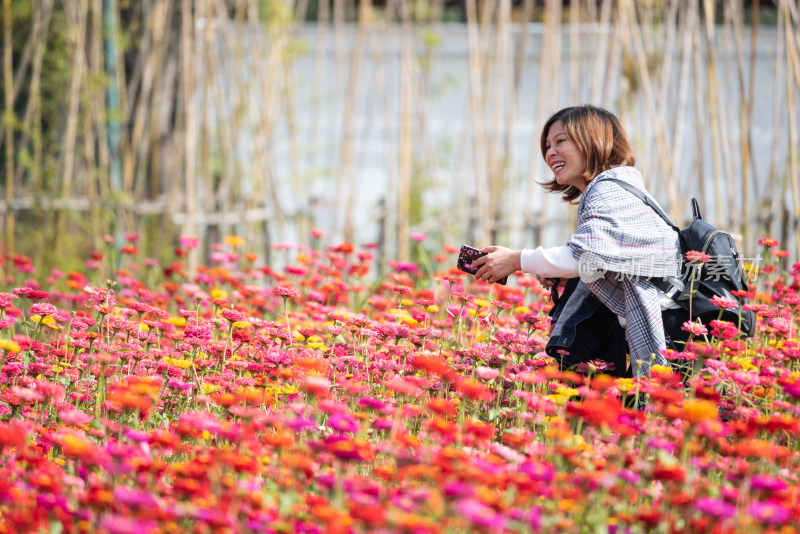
498 263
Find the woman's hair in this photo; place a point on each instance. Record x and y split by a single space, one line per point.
599 137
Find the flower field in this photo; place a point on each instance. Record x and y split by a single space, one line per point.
325 399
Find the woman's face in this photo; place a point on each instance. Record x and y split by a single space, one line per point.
564 158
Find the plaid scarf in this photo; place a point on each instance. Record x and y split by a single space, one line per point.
620 243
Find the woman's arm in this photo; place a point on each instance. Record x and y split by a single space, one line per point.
556 262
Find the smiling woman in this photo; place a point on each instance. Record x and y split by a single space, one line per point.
609 306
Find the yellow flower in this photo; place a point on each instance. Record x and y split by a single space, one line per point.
239 325
558 398
433 308
407 302
210 388
217 293
561 389
481 303
144 328
521 309
288 389
316 345
233 240
661 369
183 364
408 320
9 346
745 363
177 321
624 384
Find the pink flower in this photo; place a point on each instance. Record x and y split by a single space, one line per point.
767 242
286 292
43 308
697 329
487 373
723 302
189 242
419 237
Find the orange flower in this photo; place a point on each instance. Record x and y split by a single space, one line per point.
75 444
698 410
474 389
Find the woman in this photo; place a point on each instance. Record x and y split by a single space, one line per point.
620 243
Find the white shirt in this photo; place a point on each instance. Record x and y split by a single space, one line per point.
558 262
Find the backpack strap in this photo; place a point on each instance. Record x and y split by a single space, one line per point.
635 191
669 289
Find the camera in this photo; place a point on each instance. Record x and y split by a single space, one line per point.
469 254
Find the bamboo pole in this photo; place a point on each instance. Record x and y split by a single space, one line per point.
8 90
478 133
635 40
688 26
516 187
734 15
155 25
778 196
350 113
23 63
792 81
188 82
547 103
77 11
44 10
406 144
497 161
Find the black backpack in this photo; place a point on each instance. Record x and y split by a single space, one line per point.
719 277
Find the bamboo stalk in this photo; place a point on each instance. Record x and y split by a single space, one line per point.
497 160
792 81
349 114
627 14
155 27
478 133
189 125
77 11
517 186
745 110
8 90
406 144
779 194
688 26
19 74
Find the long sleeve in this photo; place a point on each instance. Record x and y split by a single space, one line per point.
555 262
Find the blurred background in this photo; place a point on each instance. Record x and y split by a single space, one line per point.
376 121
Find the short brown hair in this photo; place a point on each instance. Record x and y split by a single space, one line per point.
600 138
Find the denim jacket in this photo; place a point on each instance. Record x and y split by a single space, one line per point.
575 309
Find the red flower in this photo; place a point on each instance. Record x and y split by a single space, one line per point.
693 256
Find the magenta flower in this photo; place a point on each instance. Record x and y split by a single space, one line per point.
769 512
715 507
767 483
481 515
343 423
